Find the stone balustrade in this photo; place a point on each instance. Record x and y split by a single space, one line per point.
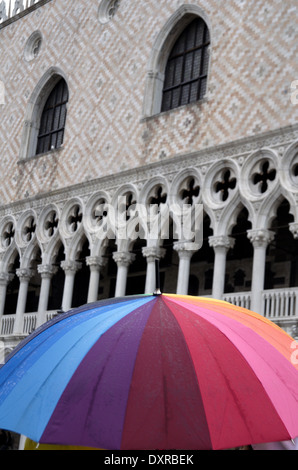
29 323
280 303
241 299
277 305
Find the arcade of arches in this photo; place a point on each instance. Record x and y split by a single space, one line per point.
280 270
57 252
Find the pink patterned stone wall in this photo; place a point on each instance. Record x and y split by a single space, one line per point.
253 63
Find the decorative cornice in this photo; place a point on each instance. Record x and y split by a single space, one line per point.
238 149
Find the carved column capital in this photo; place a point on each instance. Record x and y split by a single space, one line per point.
123 258
151 253
186 249
46 270
96 262
5 278
71 266
221 241
294 229
24 274
260 237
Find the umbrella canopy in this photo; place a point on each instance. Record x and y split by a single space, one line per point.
153 372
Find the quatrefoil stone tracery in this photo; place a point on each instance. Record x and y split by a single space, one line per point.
263 177
130 204
75 218
99 212
225 185
29 229
126 205
51 224
8 235
33 46
158 197
190 191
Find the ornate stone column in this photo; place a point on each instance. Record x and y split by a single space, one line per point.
123 260
294 229
151 253
95 263
24 275
46 272
221 245
260 240
5 278
70 268
185 251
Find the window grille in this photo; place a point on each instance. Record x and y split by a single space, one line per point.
53 118
187 67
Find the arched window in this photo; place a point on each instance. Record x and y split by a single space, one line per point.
53 118
187 67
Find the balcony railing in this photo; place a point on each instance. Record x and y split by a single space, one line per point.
277 304
12 10
241 299
29 322
280 305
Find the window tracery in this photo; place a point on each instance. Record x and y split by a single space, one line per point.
53 119
187 67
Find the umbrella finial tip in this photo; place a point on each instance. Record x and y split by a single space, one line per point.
157 278
157 292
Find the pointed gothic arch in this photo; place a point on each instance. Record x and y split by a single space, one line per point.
161 50
35 108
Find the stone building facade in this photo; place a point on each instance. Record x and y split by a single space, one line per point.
233 152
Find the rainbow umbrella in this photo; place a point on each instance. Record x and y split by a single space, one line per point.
153 372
